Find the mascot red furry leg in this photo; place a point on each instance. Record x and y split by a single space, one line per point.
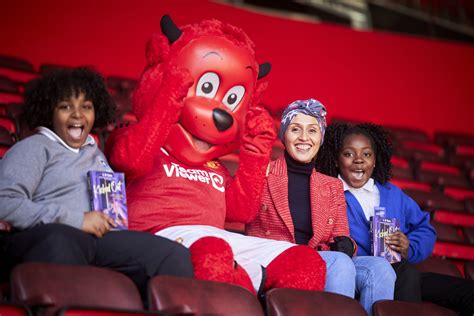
198 100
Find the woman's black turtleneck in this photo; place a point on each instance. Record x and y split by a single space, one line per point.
299 198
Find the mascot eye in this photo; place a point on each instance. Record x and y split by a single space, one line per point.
233 97
207 85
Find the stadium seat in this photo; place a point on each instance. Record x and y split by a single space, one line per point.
168 293
469 270
97 311
6 137
439 265
469 234
399 134
396 308
123 104
10 309
282 302
11 109
10 124
448 233
411 184
454 218
17 69
401 168
453 250
419 151
459 194
8 85
48 287
441 175
449 139
121 84
45 68
430 201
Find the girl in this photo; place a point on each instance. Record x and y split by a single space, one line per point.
360 156
44 190
301 205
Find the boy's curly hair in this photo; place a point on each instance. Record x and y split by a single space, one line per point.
326 161
43 94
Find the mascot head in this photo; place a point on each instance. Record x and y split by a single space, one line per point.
221 61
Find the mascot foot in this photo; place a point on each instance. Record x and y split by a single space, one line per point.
213 260
299 267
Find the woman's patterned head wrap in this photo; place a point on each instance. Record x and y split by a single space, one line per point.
309 107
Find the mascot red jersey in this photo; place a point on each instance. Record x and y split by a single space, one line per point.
197 100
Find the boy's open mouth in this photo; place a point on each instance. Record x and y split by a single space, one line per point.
75 131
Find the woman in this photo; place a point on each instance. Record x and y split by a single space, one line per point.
303 206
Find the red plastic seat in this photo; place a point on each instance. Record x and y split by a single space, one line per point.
52 286
46 68
16 69
454 218
8 85
397 308
401 168
449 138
469 234
469 270
441 179
435 200
121 84
9 123
439 265
11 109
419 151
10 309
405 184
96 311
453 250
448 233
399 133
281 302
167 293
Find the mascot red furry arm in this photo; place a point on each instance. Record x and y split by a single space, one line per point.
198 100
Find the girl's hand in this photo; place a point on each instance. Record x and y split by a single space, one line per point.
399 242
97 223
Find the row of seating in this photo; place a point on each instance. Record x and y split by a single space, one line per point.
435 179
50 289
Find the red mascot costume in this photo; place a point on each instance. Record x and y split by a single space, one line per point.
197 100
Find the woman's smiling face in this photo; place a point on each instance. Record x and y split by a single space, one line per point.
303 138
356 160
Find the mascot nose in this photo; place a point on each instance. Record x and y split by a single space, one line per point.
222 119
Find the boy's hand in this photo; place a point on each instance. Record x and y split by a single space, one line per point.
97 223
399 242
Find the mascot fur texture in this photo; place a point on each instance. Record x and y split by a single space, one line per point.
197 100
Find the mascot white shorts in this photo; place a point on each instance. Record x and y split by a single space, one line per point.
250 252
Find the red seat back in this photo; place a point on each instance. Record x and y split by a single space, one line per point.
282 302
51 286
167 293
